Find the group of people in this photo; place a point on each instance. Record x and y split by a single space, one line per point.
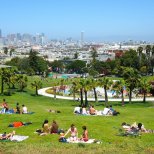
92 111
18 109
49 129
135 128
73 132
54 129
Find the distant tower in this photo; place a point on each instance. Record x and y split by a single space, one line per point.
82 38
0 33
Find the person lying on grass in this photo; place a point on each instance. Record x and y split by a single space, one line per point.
136 127
5 136
73 132
19 124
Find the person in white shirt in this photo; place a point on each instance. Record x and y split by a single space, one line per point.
106 110
77 110
24 109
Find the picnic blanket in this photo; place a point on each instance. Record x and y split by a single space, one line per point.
17 138
80 141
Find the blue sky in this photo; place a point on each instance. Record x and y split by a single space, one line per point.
99 19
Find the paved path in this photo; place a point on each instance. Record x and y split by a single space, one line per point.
42 92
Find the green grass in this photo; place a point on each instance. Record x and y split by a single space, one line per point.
101 128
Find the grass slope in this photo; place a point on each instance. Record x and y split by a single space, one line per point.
101 128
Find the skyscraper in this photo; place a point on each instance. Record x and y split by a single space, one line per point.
0 33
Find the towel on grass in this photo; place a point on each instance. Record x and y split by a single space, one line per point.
80 141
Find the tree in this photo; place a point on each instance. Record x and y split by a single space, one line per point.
36 85
74 89
118 86
86 88
94 54
131 77
106 84
11 51
140 50
5 49
94 84
22 81
152 59
56 65
145 87
76 55
148 52
77 66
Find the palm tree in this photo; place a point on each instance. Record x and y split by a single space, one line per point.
145 87
94 84
74 89
36 85
148 53
54 85
22 81
106 84
86 87
80 87
152 59
119 87
131 77
94 54
140 50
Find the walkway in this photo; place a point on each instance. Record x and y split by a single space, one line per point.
43 93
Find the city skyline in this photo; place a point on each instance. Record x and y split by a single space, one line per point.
100 20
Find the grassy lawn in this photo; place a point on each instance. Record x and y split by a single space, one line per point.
101 128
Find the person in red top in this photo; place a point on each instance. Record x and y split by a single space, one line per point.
84 136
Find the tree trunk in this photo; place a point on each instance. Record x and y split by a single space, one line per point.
130 96
86 101
54 92
36 92
74 96
95 94
2 84
122 98
106 98
81 96
144 96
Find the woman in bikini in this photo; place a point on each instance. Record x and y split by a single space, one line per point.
74 133
84 136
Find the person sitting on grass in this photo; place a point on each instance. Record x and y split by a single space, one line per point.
5 136
84 111
5 106
106 111
113 112
18 108
77 110
54 127
92 110
45 127
24 109
84 136
73 132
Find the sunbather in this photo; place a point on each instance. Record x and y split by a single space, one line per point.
92 110
84 136
73 132
7 136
